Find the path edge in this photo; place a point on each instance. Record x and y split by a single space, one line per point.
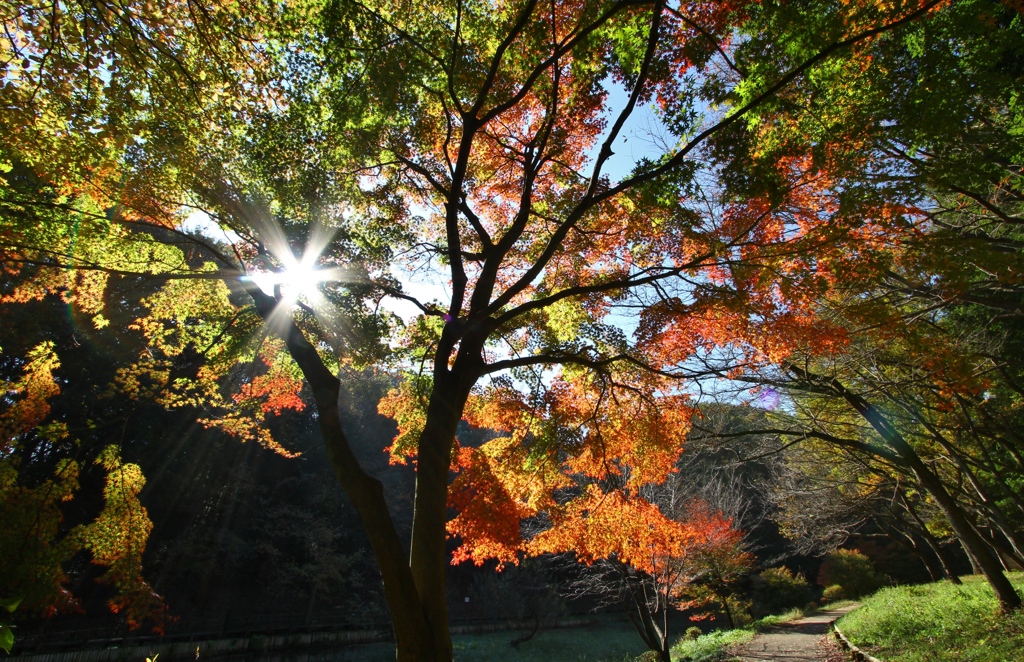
857 653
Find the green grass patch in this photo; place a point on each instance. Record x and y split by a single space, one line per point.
711 646
763 624
933 622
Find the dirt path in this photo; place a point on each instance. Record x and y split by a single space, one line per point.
798 641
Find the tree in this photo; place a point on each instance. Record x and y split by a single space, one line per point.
476 141
652 563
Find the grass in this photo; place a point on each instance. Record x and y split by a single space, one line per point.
934 622
763 624
711 646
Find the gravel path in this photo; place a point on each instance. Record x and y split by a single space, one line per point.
798 641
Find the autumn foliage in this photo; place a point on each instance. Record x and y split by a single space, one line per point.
36 544
586 301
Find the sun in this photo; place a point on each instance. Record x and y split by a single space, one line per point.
297 281
301 281
295 278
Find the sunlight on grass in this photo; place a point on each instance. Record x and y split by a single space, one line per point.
933 622
710 646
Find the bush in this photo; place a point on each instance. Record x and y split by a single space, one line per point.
692 633
777 590
833 593
740 610
850 570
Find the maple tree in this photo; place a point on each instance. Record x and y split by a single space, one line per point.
473 139
686 560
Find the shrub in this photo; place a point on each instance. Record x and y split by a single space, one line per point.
851 570
740 610
833 593
779 589
692 633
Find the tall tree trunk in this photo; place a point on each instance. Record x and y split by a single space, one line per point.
428 558
728 612
907 540
976 569
947 563
936 573
412 635
976 547
1005 555
665 654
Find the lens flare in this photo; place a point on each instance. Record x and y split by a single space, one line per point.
296 282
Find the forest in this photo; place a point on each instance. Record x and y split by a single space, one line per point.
397 316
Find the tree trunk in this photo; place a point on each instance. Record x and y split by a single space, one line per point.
975 568
1005 555
908 541
976 547
987 501
640 616
428 558
665 655
947 563
935 545
412 635
728 612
